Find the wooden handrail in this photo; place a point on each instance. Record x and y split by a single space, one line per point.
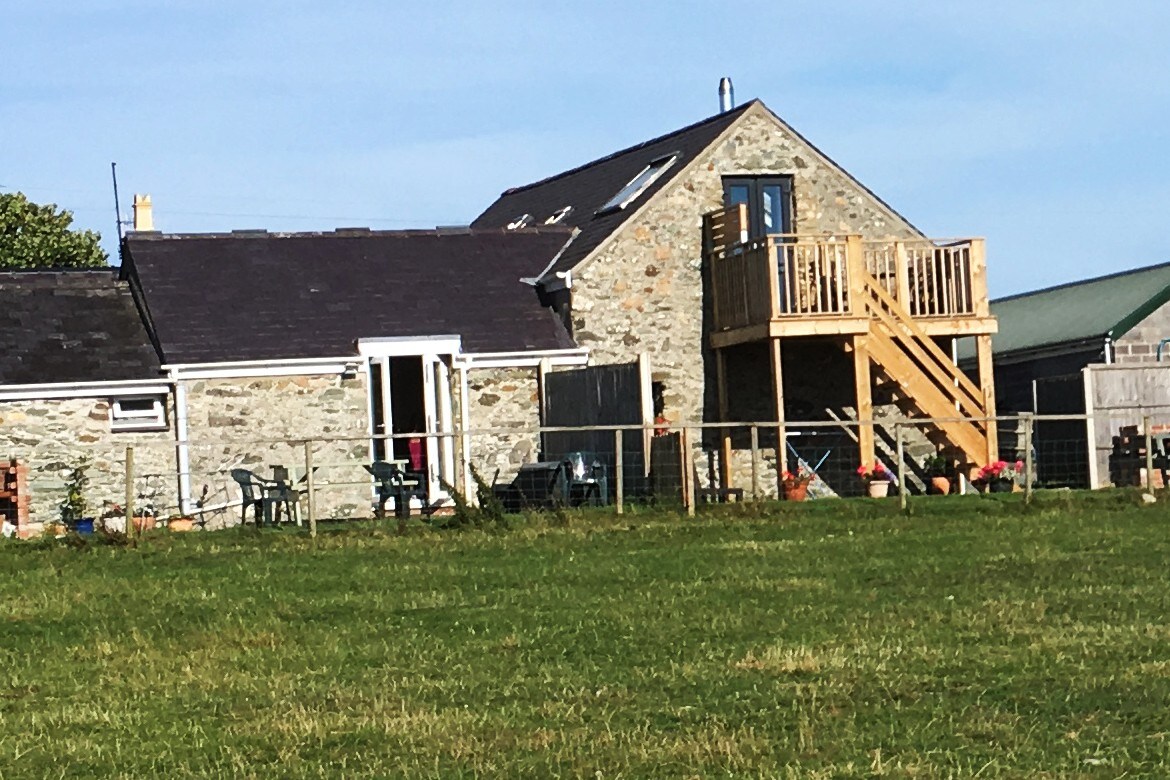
933 359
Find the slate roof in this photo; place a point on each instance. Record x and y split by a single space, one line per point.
587 187
71 326
1080 311
260 296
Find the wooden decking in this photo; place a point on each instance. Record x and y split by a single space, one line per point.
800 285
888 301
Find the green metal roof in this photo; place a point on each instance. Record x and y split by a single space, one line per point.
1079 311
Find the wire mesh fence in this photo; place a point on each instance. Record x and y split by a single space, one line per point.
215 484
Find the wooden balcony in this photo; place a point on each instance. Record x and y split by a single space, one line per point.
802 285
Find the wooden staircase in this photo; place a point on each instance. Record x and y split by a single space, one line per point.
928 383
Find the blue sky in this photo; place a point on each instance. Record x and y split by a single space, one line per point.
1041 125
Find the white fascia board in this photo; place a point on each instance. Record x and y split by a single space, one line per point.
554 357
62 390
400 346
263 368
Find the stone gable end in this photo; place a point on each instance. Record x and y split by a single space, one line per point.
643 291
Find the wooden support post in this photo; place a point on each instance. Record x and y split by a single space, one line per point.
902 275
1029 463
855 267
1149 453
688 472
900 449
863 385
619 474
724 433
129 490
310 490
979 298
755 463
778 392
987 385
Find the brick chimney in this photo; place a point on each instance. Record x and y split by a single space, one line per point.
143 213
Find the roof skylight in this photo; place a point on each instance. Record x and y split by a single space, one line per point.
638 184
558 215
522 221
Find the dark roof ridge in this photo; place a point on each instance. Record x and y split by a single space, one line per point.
634 148
112 270
358 233
1080 282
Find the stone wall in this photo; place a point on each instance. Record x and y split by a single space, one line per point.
503 398
53 436
255 423
644 291
1140 344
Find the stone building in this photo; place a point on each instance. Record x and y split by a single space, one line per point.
635 279
80 380
409 344
209 353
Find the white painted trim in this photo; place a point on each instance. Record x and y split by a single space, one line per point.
532 359
182 454
182 367
65 390
535 280
241 371
408 346
465 425
1090 426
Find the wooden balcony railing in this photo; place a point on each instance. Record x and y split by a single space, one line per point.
820 276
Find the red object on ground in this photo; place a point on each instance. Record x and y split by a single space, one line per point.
415 447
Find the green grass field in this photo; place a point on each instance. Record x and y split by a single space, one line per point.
974 637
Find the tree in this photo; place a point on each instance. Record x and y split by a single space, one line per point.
35 236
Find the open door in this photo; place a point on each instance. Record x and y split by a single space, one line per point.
440 441
411 419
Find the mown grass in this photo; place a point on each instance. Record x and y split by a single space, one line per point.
973 637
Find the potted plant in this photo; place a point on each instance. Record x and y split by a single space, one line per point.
938 470
1000 476
74 505
180 523
794 485
876 479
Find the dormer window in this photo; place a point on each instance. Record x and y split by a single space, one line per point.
558 215
638 184
522 221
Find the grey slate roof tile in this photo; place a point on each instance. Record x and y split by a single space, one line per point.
588 187
253 296
71 326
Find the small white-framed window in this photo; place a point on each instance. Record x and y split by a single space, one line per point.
142 413
638 184
522 221
558 215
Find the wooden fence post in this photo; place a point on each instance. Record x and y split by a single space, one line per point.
619 472
900 439
1149 453
1028 460
310 489
129 490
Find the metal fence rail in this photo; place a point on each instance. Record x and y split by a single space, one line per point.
687 465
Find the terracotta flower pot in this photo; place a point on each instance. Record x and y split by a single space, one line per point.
796 491
180 524
879 488
143 523
940 486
